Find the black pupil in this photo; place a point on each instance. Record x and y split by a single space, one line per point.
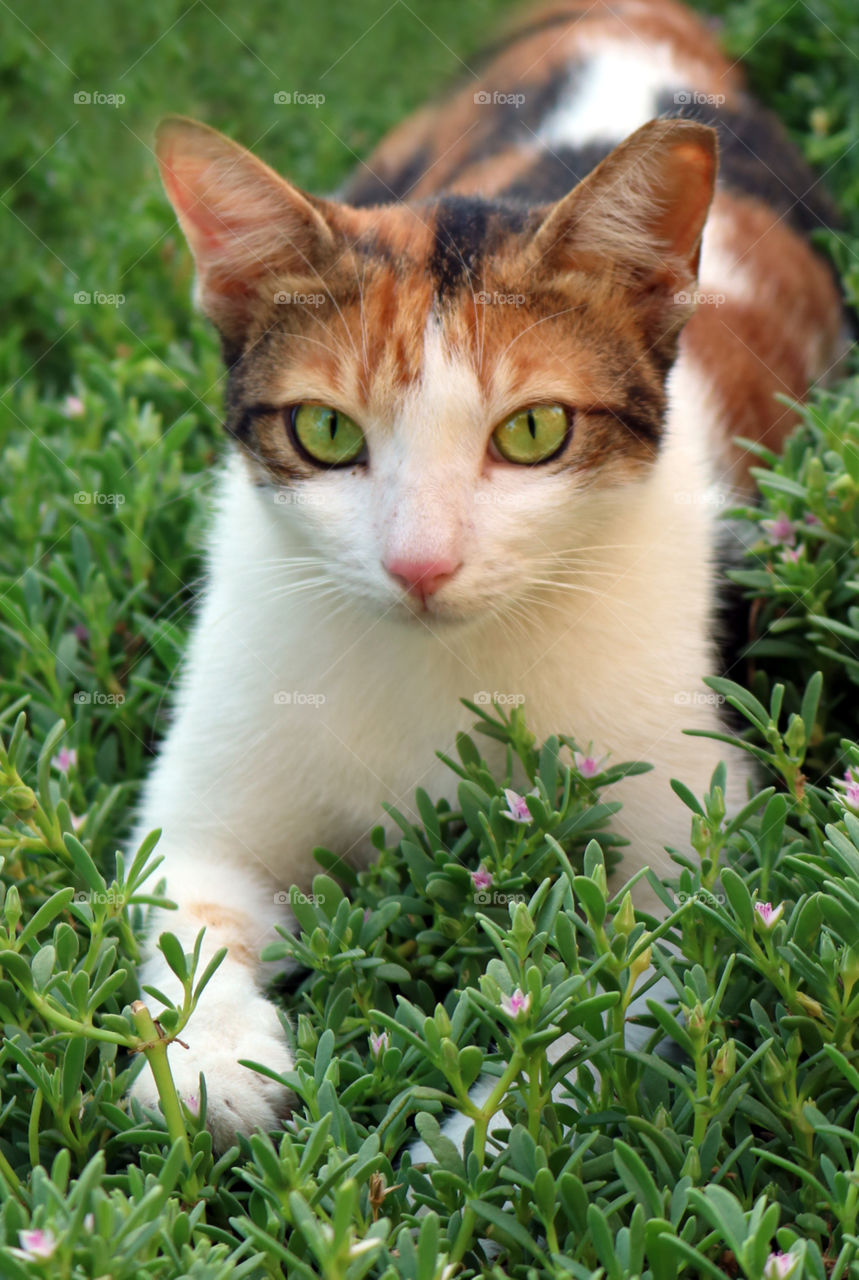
332 424
532 426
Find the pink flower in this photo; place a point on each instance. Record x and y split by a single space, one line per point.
811 518
792 555
587 765
517 806
35 1244
848 792
64 759
481 878
780 530
78 819
192 1102
779 1266
768 914
73 407
379 1043
516 1004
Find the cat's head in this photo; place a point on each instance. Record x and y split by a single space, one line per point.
441 399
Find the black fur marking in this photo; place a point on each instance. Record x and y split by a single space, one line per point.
642 413
367 188
554 173
240 420
460 240
757 158
502 125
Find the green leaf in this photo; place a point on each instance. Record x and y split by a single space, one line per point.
636 1178
592 899
47 912
171 949
739 898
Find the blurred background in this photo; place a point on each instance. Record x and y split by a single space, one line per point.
83 205
111 385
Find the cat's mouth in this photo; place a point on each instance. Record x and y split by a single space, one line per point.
432 612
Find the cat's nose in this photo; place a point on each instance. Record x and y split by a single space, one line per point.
421 578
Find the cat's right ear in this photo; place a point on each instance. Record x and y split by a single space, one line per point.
246 227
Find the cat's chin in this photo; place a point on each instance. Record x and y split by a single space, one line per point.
435 614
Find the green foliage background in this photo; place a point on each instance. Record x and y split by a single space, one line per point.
95 604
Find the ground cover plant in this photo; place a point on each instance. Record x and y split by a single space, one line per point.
712 1133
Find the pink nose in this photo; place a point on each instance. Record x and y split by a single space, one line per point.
421 577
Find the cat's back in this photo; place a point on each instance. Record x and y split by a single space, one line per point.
551 98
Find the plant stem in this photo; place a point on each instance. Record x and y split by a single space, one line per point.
154 1050
11 1177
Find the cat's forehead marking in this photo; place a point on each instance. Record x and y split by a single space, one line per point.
467 232
460 239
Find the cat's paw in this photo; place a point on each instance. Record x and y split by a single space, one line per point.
239 1100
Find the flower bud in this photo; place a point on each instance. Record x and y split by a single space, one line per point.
696 1024
725 1062
307 1038
640 965
810 1005
624 921
850 966
20 798
795 739
773 1070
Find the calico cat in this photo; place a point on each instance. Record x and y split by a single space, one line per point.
481 409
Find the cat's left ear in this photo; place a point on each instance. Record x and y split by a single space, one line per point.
641 211
246 227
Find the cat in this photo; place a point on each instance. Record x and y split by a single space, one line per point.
482 409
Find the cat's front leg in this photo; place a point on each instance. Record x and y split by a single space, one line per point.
233 1019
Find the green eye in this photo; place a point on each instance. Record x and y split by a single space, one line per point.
326 434
532 435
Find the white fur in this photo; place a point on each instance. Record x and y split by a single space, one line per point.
248 783
615 95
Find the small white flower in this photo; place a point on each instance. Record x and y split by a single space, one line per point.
35 1245
516 1005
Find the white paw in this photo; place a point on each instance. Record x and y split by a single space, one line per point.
238 1100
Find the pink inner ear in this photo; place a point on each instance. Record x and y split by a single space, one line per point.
183 181
688 190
